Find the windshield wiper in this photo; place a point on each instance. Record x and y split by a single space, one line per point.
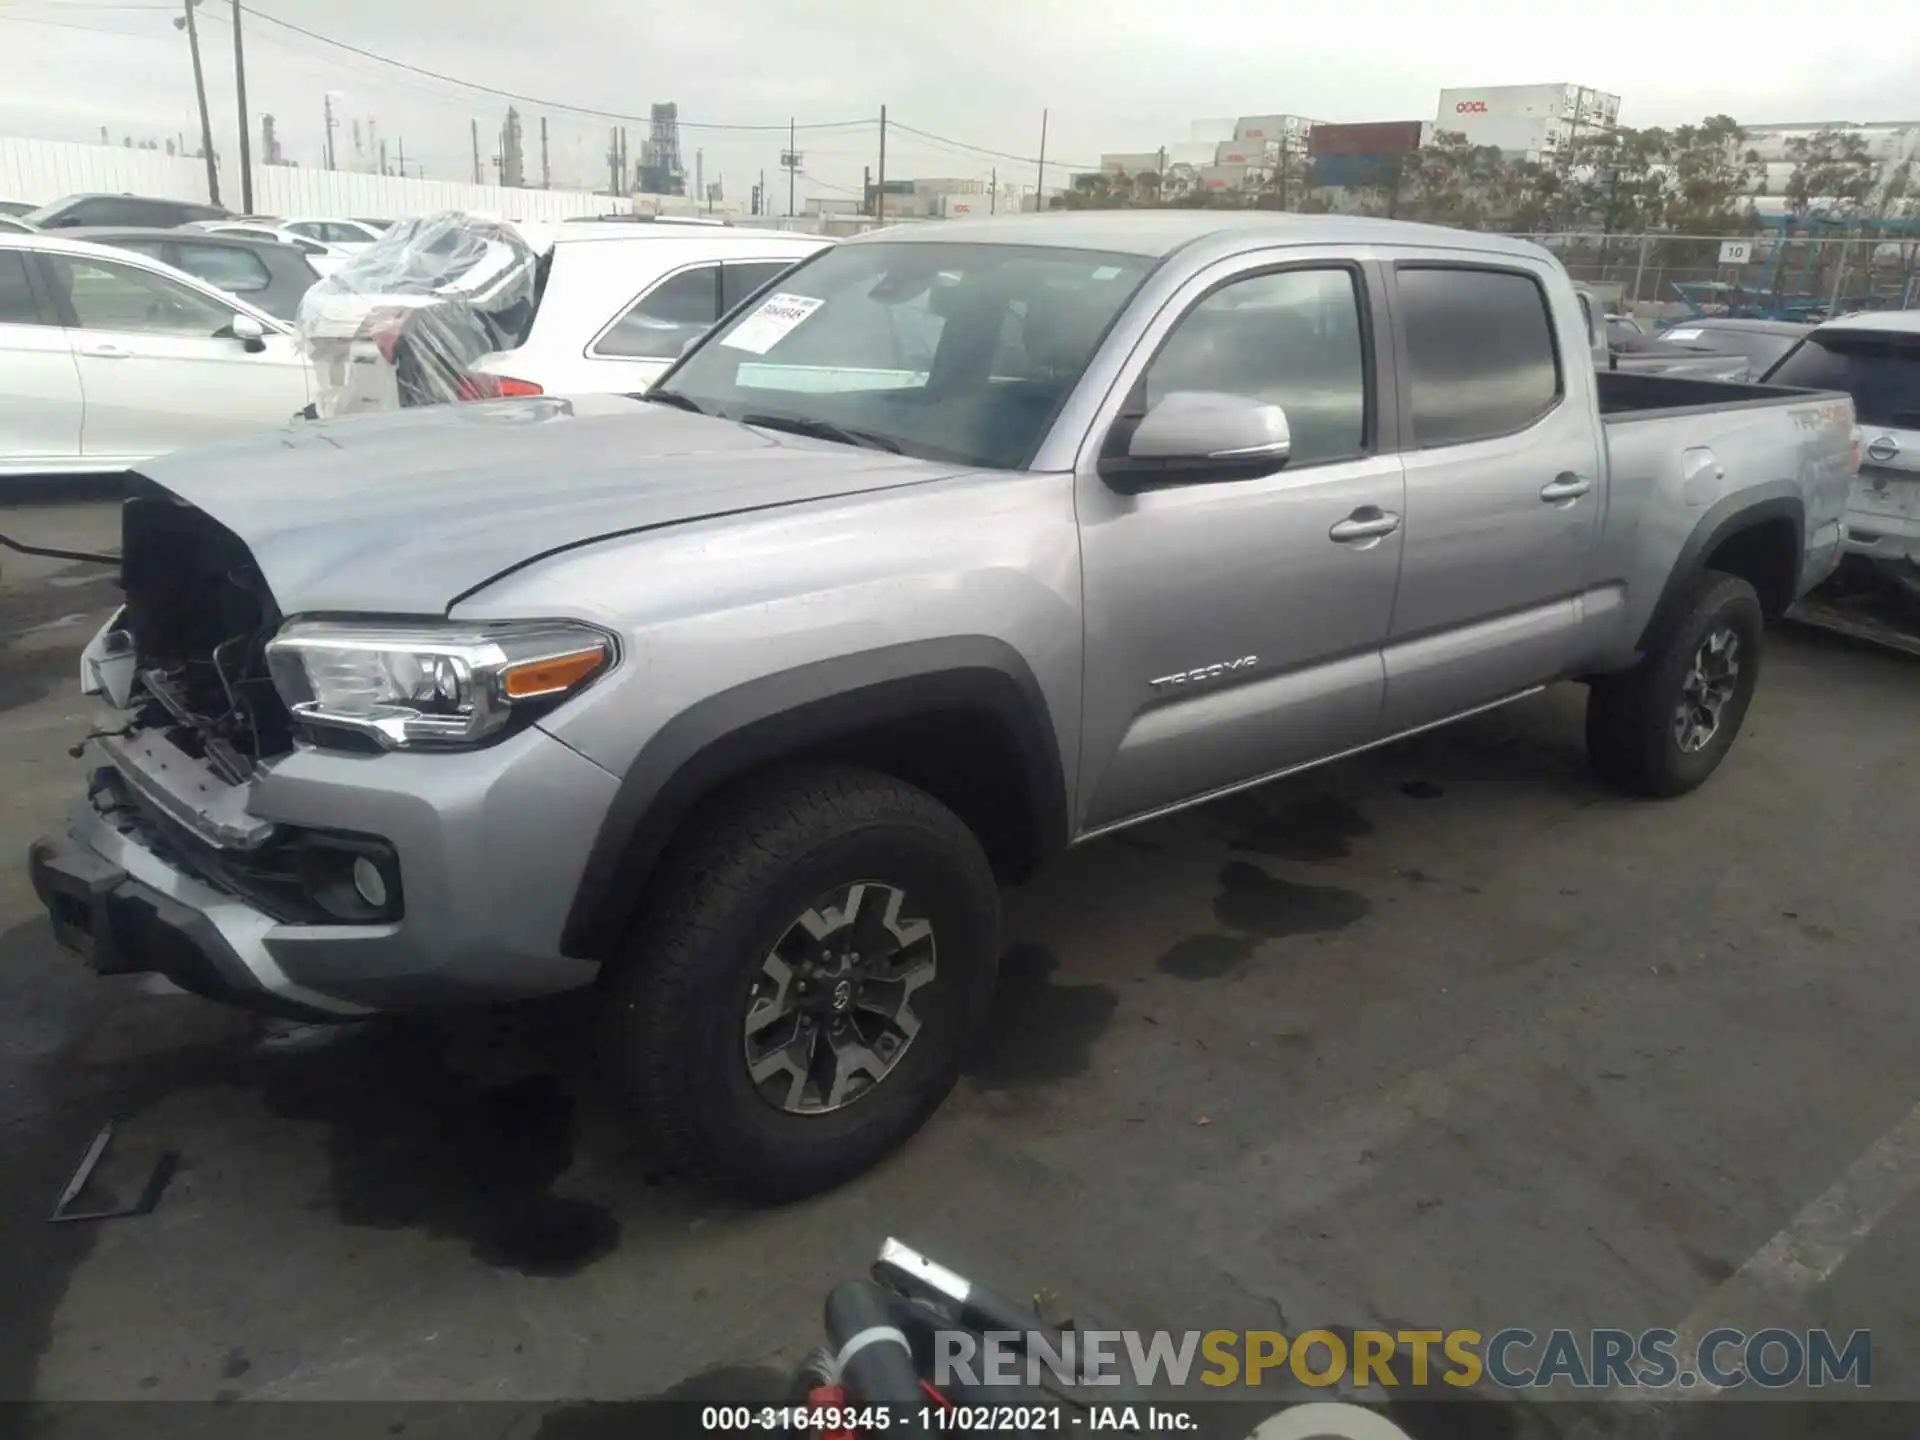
673 398
822 430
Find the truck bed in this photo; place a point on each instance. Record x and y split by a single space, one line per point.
1625 396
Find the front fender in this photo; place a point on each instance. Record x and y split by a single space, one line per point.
798 711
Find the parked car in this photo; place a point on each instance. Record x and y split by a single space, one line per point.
346 236
75 210
14 225
324 258
108 358
734 700
262 272
621 302
399 324
12 208
1875 357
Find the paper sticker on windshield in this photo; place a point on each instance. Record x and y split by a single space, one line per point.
1107 272
1683 334
768 326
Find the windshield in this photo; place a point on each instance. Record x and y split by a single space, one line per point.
1881 373
942 350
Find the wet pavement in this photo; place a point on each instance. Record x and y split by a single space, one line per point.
1444 1036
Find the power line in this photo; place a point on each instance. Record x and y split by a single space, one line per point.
85 29
813 179
536 100
982 150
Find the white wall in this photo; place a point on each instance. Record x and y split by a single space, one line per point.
44 170
289 191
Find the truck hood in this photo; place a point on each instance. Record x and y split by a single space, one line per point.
405 513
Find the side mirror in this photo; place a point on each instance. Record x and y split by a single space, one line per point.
250 333
1194 435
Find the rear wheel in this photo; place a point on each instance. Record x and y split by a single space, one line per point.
801 997
1663 727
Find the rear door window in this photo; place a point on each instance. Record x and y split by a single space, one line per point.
660 323
228 266
1880 371
17 304
1480 356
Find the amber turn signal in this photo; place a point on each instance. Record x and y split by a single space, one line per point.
551 674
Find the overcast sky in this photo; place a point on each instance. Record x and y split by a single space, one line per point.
1115 74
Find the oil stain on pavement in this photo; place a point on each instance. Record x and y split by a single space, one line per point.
1041 1031
415 1143
1312 828
1206 957
1254 902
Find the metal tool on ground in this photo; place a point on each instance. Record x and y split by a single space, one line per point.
144 1204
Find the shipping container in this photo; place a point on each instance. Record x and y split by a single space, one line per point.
1243 152
1379 137
1271 128
1223 177
1355 172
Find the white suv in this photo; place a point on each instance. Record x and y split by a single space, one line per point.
1875 357
621 301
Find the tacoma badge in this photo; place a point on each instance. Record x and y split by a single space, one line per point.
1205 672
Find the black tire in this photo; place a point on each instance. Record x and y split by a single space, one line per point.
1631 737
752 863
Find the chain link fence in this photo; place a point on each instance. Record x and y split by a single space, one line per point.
1668 276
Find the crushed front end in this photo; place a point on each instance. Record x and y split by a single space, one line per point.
220 846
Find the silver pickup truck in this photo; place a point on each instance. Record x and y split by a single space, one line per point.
958 545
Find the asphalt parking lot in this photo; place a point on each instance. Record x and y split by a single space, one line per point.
1446 1036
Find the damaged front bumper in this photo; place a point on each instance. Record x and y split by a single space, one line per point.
489 845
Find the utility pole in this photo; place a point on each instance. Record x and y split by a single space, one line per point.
700 175
760 206
329 102
400 148
880 195
473 129
200 92
546 178
866 189
240 96
1040 180
993 195
793 165
383 159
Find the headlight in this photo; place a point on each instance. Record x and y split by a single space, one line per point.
423 685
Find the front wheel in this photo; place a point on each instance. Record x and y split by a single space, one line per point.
1663 727
801 997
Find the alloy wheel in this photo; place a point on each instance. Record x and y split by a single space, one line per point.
1709 684
831 1010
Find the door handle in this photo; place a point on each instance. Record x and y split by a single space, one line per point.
104 352
1365 524
1565 486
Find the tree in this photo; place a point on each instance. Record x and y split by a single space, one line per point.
1712 172
1831 168
1451 181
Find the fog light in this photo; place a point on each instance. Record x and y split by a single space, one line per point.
369 883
